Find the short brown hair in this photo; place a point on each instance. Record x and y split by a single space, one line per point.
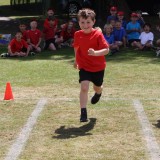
85 13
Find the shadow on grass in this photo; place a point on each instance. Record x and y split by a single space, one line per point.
157 124
61 54
66 133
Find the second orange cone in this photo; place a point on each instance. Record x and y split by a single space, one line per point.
8 93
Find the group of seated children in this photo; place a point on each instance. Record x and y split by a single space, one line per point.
117 32
29 41
135 33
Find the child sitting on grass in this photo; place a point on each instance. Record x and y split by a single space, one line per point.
121 18
22 28
18 47
109 37
119 34
34 37
113 14
146 38
67 34
133 30
50 13
49 34
113 23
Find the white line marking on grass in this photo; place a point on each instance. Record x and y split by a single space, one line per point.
20 142
103 98
152 144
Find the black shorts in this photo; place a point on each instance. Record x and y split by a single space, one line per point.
48 42
132 40
95 77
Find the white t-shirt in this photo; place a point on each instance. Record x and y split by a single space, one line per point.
144 37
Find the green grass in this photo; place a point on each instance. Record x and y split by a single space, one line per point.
4 2
113 131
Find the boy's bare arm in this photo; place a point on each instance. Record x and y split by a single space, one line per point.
11 53
29 42
9 49
101 52
75 63
40 39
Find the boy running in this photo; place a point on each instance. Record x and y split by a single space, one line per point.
90 48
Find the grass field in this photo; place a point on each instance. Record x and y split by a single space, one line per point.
4 2
113 131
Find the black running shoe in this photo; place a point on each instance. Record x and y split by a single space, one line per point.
95 98
83 118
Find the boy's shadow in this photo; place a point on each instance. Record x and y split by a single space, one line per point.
65 133
157 124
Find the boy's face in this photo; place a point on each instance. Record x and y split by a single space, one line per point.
22 27
33 24
50 13
108 30
18 35
118 25
112 22
70 25
134 19
113 13
120 17
147 28
86 24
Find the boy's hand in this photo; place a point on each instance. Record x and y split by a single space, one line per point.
91 52
75 65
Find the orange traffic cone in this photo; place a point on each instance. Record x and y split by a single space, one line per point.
8 93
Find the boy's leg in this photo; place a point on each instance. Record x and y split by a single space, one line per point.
119 43
83 100
97 95
52 47
98 89
97 79
38 49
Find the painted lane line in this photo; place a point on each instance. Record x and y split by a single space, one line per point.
152 145
103 98
21 140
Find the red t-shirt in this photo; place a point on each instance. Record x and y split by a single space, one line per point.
46 23
67 34
83 42
16 46
49 32
24 35
34 36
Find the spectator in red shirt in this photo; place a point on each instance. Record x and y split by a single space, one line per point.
34 37
90 50
22 28
50 13
18 46
67 34
49 34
